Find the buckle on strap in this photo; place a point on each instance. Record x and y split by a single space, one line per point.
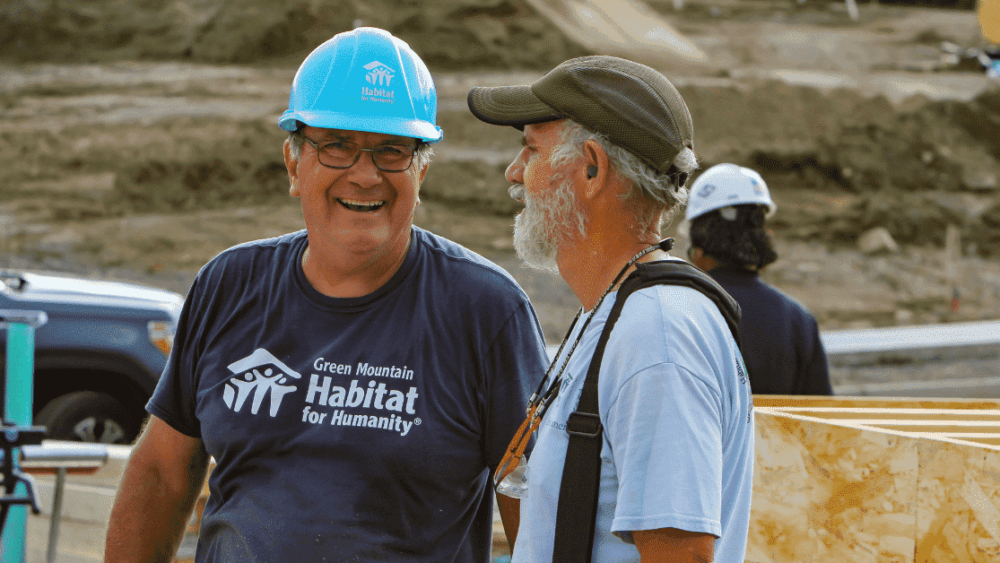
584 424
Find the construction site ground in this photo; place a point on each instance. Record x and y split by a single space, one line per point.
143 168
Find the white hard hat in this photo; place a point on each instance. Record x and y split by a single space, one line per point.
724 185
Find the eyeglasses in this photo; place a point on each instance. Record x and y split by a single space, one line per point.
345 154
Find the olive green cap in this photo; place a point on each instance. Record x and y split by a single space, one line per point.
632 105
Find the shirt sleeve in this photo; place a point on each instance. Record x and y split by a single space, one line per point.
514 365
173 400
665 432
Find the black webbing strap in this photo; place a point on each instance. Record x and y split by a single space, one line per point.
577 510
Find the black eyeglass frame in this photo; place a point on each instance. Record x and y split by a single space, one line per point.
357 155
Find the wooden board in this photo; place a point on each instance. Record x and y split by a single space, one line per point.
869 489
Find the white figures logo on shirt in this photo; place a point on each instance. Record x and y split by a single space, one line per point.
260 375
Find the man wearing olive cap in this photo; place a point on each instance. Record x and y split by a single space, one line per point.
607 149
356 382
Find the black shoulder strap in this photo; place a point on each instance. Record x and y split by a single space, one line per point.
577 509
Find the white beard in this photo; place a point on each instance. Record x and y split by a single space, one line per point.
542 226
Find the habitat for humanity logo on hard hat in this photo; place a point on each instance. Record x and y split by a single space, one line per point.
378 75
261 375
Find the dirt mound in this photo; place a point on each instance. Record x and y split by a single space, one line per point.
838 162
149 162
447 33
913 169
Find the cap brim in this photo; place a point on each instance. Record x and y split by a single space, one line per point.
510 105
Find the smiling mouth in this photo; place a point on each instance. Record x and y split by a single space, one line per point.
362 206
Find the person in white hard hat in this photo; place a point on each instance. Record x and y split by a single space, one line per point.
356 382
726 215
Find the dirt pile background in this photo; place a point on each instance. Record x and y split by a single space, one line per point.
447 34
124 154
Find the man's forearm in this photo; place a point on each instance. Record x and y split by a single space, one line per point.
158 492
670 545
145 525
148 520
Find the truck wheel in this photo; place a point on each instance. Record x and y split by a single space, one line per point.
86 416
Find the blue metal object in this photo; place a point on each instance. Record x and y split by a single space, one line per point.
983 335
364 80
20 327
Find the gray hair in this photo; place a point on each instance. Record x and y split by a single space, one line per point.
662 194
420 159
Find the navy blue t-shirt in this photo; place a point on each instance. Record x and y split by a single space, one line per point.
359 429
780 338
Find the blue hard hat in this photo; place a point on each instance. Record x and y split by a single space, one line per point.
364 80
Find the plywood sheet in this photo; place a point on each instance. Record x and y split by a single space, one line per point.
826 492
872 402
876 414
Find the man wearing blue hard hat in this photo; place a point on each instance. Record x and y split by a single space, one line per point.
355 382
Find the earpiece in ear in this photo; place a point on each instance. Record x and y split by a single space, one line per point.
591 171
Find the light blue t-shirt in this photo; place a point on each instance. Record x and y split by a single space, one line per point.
678 421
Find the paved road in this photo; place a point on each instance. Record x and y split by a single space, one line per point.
973 378
944 360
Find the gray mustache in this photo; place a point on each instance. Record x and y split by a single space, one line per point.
516 191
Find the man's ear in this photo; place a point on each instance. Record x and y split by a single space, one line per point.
698 257
421 174
417 176
595 169
292 166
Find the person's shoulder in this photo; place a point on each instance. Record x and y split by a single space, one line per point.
678 313
676 303
466 267
672 325
248 256
793 305
676 298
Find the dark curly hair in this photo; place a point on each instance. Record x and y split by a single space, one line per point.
741 242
